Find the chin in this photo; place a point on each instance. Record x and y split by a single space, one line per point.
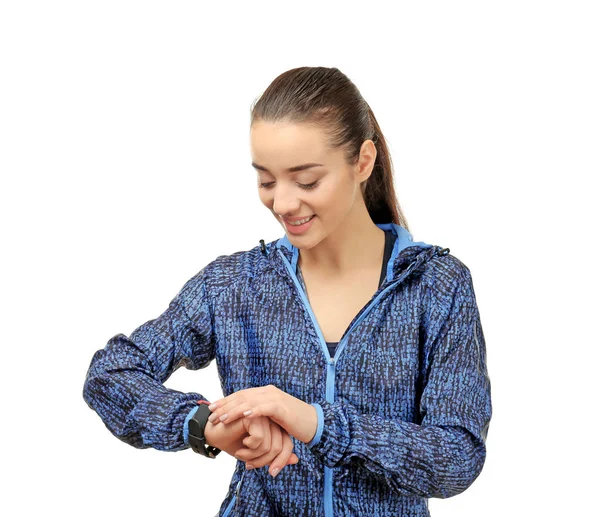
303 244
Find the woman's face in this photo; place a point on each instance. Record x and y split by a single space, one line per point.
326 191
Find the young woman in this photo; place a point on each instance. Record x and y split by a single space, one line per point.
344 340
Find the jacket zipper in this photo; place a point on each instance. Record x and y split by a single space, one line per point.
233 504
331 361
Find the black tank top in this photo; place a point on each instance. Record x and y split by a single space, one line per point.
390 239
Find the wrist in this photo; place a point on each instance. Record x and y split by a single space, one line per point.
308 422
208 433
226 437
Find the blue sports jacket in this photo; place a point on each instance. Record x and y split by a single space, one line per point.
403 407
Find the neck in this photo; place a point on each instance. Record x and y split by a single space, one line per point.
356 244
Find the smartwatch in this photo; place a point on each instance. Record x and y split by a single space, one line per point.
196 438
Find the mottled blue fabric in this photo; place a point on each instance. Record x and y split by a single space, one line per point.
403 411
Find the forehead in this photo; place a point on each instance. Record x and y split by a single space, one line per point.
281 143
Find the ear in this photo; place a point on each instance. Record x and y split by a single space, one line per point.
366 161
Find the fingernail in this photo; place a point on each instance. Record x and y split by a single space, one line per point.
274 472
223 417
248 412
249 467
212 407
211 418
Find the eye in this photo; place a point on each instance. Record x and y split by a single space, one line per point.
309 185
306 186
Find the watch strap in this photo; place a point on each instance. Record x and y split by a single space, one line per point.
196 426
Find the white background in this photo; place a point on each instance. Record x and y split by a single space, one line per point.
125 168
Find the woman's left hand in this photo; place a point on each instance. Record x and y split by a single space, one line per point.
297 417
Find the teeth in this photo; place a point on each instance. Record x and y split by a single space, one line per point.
298 223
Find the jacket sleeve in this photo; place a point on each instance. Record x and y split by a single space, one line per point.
124 382
445 453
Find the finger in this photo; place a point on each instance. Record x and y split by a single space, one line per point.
238 408
225 400
275 449
281 459
267 442
256 433
264 445
244 402
249 455
229 412
256 430
264 458
243 454
259 439
276 443
273 410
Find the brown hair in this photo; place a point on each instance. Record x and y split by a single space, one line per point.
327 99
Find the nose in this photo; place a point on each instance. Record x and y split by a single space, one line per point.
285 200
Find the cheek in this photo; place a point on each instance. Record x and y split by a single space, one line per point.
333 197
265 198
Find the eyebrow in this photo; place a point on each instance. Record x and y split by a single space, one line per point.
291 169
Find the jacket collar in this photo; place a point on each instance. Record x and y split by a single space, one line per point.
405 251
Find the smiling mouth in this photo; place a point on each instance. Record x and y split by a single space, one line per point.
299 222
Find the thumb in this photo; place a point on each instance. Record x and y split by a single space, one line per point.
293 459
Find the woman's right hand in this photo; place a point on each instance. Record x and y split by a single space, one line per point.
257 441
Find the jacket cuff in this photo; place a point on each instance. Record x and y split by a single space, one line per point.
334 438
320 424
185 425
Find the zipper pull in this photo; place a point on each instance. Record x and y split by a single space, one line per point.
237 489
263 247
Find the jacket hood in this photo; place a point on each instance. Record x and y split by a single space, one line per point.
405 251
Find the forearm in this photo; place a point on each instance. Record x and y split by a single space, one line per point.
429 461
135 406
124 382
